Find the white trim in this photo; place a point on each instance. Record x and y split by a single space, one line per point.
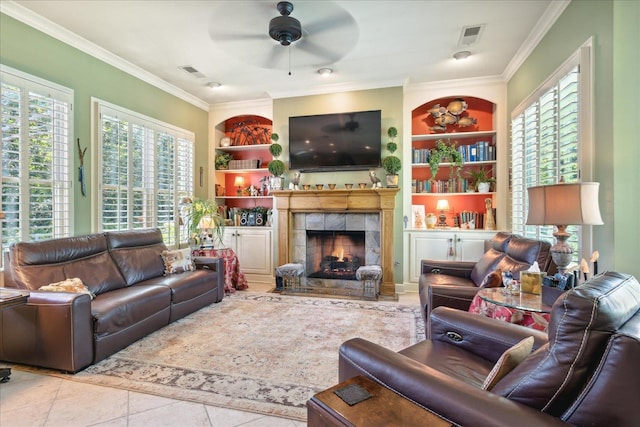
546 21
337 88
26 16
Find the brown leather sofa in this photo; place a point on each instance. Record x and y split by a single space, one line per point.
583 373
455 283
124 269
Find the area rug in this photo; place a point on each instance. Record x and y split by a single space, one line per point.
262 353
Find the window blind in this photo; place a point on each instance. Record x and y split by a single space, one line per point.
146 166
36 134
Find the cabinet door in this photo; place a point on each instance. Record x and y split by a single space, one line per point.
254 250
427 246
469 248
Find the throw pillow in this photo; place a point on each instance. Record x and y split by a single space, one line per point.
509 360
177 261
68 285
493 280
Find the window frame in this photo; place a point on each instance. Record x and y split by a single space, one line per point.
153 129
582 58
62 175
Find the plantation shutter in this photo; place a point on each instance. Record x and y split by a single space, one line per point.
36 135
146 166
545 149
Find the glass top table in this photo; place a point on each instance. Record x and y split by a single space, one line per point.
523 301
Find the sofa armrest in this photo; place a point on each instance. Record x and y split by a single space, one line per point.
452 399
452 268
53 330
216 265
457 297
483 336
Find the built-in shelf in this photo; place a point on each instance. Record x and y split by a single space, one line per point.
452 135
475 193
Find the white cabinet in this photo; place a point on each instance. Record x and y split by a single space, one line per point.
254 248
451 245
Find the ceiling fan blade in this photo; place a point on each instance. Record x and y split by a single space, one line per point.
277 53
331 23
315 49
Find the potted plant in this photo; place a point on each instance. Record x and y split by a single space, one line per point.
481 180
222 160
276 167
275 149
205 211
445 152
392 164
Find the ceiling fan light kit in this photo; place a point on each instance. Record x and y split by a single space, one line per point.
285 29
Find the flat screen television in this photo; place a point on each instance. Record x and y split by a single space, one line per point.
335 142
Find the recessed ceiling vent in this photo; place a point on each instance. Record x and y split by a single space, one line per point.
470 35
189 69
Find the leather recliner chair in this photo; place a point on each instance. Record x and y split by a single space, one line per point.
583 373
455 283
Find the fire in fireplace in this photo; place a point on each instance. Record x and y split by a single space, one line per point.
335 254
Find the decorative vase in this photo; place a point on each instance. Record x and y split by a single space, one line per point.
392 181
431 220
484 187
276 182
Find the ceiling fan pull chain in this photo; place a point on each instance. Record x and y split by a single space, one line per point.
289 49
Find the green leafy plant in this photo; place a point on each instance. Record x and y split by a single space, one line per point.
205 208
479 175
276 167
391 165
275 149
392 132
275 137
222 160
445 152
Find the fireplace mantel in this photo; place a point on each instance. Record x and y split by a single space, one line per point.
382 200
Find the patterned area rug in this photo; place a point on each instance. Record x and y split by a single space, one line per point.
261 353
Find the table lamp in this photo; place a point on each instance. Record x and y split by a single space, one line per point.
239 182
442 205
561 205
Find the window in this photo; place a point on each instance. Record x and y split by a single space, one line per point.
551 141
145 167
36 133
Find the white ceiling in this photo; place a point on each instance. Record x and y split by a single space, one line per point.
368 43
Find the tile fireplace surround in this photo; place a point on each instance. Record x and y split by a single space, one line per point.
290 204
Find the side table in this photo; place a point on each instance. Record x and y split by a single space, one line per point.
383 408
233 277
10 298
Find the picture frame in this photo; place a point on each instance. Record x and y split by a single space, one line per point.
418 217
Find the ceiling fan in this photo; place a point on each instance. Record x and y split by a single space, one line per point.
324 33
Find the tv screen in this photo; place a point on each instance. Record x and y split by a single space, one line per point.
335 142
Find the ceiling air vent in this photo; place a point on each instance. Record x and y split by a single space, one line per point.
470 35
189 69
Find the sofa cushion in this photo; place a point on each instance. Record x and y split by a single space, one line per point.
36 264
184 286
511 358
177 261
116 310
73 285
137 253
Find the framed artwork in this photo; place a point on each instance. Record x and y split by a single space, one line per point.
417 217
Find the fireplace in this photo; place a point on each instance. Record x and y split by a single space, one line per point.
334 254
345 212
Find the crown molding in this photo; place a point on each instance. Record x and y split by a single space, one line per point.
454 85
546 21
28 17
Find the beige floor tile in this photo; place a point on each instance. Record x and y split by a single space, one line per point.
34 415
224 417
178 414
84 405
25 389
140 402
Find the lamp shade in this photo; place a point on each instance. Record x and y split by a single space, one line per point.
442 205
564 204
239 181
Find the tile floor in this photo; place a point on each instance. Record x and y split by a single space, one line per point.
31 400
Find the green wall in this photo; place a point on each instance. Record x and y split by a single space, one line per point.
31 51
626 148
581 20
388 100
